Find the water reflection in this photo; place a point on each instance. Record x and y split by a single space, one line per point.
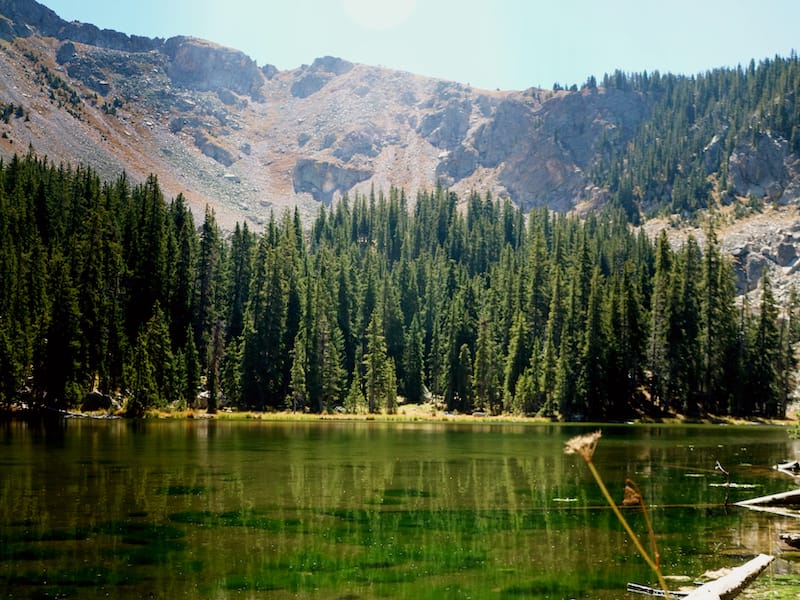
364 510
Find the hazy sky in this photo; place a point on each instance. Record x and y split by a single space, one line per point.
507 44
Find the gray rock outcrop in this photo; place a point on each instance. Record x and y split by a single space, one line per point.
759 169
323 179
315 77
201 65
213 150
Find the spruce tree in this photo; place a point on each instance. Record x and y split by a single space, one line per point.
377 366
298 399
413 384
765 357
486 390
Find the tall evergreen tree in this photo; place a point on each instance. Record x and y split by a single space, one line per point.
379 369
765 357
486 389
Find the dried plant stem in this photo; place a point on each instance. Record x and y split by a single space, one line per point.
652 564
656 556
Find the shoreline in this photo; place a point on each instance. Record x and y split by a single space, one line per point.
409 413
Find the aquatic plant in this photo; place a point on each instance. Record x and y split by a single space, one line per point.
585 445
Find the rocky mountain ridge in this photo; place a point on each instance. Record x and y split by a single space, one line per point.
249 139
213 124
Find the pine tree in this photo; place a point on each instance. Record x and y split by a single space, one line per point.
152 375
59 370
208 264
684 351
518 357
264 350
144 392
191 369
765 357
718 328
378 367
242 245
486 372
216 354
356 402
413 385
659 323
298 390
592 387
183 259
460 395
326 378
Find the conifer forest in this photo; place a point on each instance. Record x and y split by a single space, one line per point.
110 286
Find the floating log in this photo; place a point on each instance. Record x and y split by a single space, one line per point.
790 498
732 584
784 504
792 539
790 468
725 588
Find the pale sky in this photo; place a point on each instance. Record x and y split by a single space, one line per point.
506 44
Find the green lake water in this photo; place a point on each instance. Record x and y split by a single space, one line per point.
363 510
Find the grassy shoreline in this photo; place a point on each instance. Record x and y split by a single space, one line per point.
407 413
411 413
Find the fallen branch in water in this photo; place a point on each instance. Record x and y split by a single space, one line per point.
732 584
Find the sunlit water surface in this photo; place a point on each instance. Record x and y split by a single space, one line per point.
362 510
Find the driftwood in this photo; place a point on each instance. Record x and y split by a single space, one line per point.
653 592
790 498
792 539
784 504
790 468
732 584
726 587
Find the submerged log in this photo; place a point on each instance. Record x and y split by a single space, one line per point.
732 584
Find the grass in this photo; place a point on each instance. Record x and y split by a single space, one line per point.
775 587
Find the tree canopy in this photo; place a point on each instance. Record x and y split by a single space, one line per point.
109 286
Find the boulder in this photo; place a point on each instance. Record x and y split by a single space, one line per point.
309 84
269 71
457 165
332 64
323 179
366 142
212 150
65 52
95 401
748 268
759 169
786 254
312 79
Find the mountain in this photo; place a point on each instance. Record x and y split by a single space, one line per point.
250 139
214 125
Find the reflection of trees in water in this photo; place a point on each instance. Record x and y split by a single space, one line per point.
485 507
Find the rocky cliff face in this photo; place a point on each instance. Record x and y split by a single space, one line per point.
193 112
248 139
200 65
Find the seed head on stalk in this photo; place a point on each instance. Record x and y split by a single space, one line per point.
585 446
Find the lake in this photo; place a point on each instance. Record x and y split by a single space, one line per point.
362 510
